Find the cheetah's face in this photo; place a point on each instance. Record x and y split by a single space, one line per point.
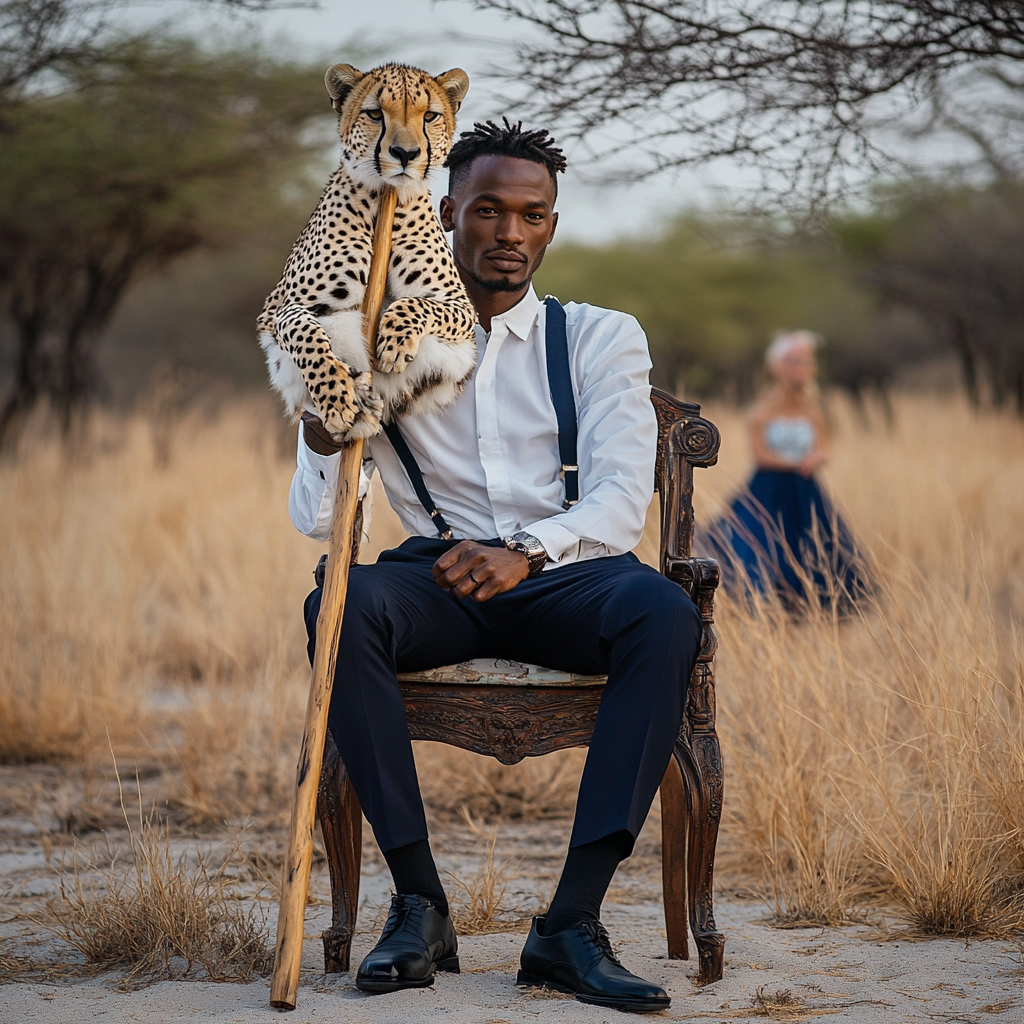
396 122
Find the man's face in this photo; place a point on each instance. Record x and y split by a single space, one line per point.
503 217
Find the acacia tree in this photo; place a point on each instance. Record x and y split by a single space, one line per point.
953 258
796 89
50 36
158 149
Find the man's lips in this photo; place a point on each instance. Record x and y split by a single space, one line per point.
506 259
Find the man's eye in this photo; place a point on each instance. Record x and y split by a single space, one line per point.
374 115
431 115
487 209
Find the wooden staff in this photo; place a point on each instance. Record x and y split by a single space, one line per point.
284 987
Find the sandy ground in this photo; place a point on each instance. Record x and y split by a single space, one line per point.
842 974
850 974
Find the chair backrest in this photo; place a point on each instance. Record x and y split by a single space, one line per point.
685 440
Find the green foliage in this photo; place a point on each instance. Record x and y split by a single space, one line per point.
951 257
164 139
711 292
161 147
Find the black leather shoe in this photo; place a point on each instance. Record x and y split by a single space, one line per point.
417 940
580 961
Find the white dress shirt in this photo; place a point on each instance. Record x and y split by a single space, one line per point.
490 459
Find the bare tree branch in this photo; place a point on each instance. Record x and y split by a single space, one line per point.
37 36
795 89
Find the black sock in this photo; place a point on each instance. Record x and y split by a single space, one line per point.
585 879
415 873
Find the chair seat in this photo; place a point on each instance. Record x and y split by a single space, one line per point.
496 672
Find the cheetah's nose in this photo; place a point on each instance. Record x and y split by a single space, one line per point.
404 156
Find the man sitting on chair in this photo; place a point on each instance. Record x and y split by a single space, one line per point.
526 573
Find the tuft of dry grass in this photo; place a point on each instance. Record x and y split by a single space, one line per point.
779 1005
477 905
164 917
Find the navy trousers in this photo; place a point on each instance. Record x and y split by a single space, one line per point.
613 616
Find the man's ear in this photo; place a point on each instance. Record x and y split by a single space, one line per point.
456 84
446 209
340 80
554 224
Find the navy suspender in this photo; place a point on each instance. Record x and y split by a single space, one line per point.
413 469
556 345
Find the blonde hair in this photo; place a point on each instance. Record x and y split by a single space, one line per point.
785 341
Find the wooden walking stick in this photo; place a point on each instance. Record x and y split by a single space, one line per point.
284 986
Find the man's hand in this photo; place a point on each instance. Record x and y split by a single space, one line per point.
471 568
317 437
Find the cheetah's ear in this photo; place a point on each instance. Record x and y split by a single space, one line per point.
456 84
340 81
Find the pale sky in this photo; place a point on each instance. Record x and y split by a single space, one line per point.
439 36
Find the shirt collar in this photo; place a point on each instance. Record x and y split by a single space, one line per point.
519 320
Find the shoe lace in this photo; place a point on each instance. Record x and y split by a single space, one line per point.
599 934
399 913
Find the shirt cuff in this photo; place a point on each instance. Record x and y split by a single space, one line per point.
324 466
562 545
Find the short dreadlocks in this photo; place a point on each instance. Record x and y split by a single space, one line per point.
489 139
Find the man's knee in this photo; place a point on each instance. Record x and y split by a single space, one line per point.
364 603
662 608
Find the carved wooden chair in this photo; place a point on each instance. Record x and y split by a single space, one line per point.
512 711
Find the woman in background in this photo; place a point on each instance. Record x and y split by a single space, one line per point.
783 533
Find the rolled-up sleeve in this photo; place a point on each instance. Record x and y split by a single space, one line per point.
313 489
618 438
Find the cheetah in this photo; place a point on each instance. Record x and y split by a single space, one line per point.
396 125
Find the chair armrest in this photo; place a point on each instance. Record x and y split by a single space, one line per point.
699 577
693 441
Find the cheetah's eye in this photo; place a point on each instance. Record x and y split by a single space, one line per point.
431 115
374 115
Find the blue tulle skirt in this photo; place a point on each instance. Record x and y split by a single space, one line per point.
783 534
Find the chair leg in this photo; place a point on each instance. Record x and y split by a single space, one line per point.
699 756
341 821
673 860
698 759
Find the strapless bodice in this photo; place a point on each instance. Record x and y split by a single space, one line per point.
790 437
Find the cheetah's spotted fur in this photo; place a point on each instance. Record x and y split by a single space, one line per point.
311 325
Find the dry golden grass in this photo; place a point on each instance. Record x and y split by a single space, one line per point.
780 1005
164 916
455 782
878 758
478 904
881 756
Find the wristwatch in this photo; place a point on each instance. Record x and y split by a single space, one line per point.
527 544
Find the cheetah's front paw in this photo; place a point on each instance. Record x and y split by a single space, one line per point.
371 408
347 404
398 339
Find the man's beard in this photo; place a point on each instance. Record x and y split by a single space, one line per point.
496 285
499 285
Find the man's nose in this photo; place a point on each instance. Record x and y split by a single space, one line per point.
404 156
509 230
